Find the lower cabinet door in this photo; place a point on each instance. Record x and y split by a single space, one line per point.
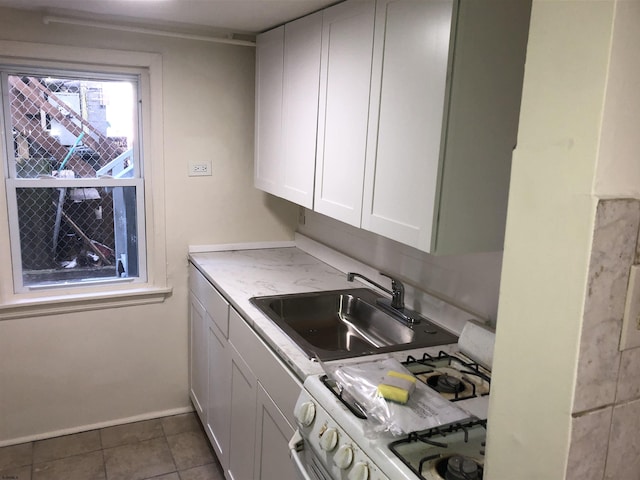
273 432
243 419
219 398
197 355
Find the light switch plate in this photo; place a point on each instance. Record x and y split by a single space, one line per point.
631 321
199 168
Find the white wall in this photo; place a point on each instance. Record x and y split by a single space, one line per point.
618 173
64 372
548 239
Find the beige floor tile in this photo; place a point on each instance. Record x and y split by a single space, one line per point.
212 471
190 449
66 446
187 422
168 476
88 466
139 460
18 473
131 433
16 456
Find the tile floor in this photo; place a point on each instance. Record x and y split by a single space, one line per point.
169 448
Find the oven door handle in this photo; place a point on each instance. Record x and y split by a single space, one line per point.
296 446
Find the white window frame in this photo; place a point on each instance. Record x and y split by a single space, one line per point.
18 302
13 182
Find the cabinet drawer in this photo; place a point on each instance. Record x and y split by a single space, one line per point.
281 385
214 303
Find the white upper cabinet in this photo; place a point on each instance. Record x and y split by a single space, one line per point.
408 93
345 77
268 166
417 120
445 97
287 76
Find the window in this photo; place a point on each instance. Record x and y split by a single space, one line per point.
74 178
136 236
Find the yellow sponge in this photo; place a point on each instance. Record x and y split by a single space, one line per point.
397 386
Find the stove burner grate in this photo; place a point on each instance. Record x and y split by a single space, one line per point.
427 360
460 388
428 438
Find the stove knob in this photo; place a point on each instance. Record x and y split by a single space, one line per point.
329 439
306 413
344 456
360 472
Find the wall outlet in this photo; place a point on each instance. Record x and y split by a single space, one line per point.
631 321
199 168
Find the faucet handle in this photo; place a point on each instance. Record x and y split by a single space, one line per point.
397 289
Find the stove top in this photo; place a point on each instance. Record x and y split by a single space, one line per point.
454 377
451 452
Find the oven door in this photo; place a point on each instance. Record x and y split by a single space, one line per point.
306 463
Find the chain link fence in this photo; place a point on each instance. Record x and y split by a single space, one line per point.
60 130
59 244
60 124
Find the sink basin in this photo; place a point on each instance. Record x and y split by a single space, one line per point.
346 323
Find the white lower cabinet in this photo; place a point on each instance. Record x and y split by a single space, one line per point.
197 354
243 418
272 439
219 399
243 393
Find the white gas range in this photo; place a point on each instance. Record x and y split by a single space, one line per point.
334 439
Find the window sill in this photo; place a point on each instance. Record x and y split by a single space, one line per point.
58 304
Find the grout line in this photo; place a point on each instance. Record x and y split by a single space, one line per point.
104 462
173 459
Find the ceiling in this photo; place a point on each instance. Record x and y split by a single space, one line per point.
243 16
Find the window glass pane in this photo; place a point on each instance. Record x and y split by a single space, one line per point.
72 125
73 234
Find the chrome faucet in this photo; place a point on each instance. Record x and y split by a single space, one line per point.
396 305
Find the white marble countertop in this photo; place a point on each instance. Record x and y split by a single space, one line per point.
242 274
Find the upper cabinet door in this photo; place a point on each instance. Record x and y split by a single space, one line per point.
287 80
345 80
408 92
268 139
482 125
302 42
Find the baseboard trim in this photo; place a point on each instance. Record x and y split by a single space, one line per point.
95 426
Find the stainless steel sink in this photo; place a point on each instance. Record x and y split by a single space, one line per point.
346 323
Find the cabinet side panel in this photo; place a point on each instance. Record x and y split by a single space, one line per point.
347 43
268 147
401 181
484 109
302 42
